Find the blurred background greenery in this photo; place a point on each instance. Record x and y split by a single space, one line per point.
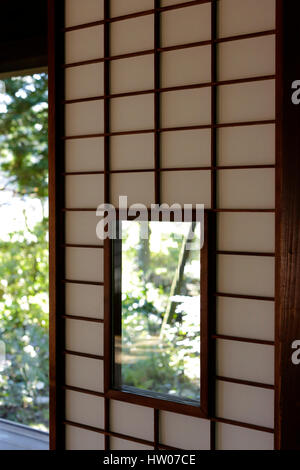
159 348
24 312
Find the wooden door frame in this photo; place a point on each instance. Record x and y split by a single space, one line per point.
56 224
287 375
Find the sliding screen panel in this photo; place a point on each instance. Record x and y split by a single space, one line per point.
169 102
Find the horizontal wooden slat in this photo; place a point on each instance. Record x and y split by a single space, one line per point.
108 433
93 209
170 129
240 296
161 170
86 283
78 245
244 340
168 48
142 441
173 88
244 253
243 425
79 318
245 382
80 354
83 390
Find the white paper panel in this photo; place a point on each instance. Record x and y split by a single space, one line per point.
84 264
246 189
132 35
121 444
186 148
81 439
246 145
246 318
84 154
84 191
254 232
246 58
186 66
84 118
132 152
237 438
84 337
84 82
138 187
84 300
186 108
245 16
81 228
121 7
84 44
133 74
132 420
78 12
184 432
245 361
246 404
246 275
247 102
186 25
132 113
186 187
84 373
85 409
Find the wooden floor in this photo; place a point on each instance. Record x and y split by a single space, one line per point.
17 437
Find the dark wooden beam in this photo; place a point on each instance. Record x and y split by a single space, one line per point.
56 228
23 35
287 396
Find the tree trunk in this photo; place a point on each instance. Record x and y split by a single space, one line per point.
178 279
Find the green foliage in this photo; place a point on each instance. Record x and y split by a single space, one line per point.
155 365
165 362
24 382
24 326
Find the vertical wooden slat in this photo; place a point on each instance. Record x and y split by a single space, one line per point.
214 78
211 232
287 404
279 100
157 147
107 336
107 246
106 68
56 224
157 110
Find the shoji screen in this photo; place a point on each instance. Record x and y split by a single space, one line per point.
171 101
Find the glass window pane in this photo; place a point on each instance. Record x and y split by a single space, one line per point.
156 307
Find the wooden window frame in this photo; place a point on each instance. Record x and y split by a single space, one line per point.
143 397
